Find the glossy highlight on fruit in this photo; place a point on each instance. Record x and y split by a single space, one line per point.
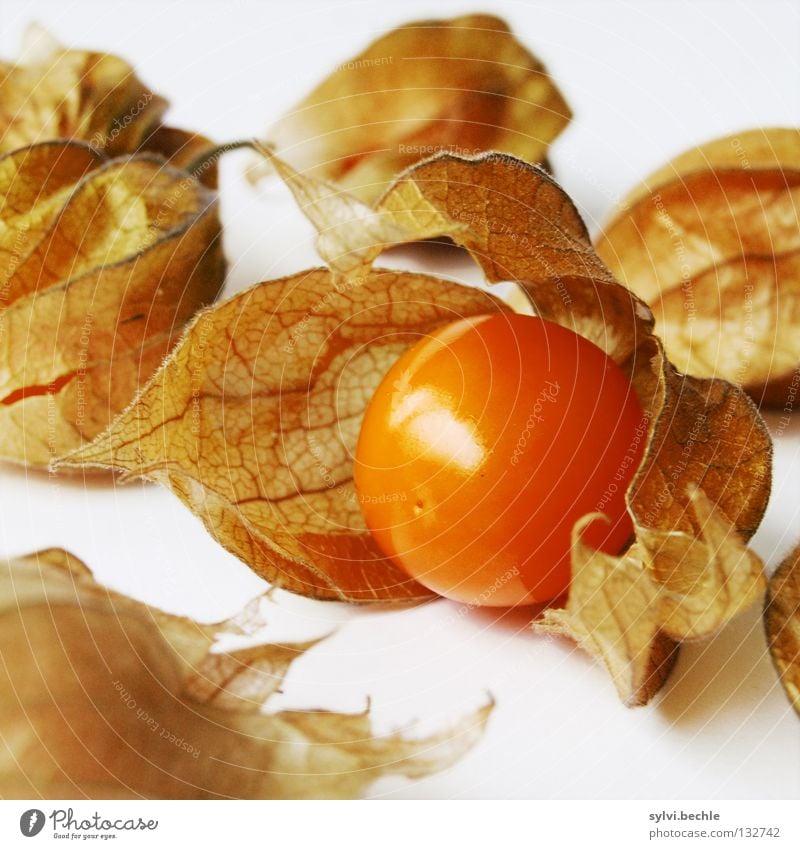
484 444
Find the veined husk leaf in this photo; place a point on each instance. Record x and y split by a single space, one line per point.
705 476
253 419
106 697
58 93
712 242
464 84
782 623
102 262
621 610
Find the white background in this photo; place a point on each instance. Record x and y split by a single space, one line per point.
645 80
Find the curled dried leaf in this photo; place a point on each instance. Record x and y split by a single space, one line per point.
58 93
712 242
708 453
253 420
102 262
464 84
110 698
782 623
632 611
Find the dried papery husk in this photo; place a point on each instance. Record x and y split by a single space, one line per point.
102 263
712 242
106 697
464 84
55 93
253 419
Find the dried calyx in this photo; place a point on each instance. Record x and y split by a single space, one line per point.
461 85
116 699
53 93
109 243
105 260
309 350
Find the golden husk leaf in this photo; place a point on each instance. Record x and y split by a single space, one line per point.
712 242
106 697
782 623
622 610
253 420
102 262
464 84
59 94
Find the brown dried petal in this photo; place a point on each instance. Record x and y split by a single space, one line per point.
612 613
109 698
712 242
92 97
74 94
632 611
464 84
782 623
101 264
253 421
704 480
